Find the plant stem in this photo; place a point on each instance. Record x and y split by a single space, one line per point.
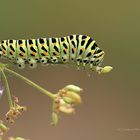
51 95
7 90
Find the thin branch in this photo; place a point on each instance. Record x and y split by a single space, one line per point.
51 95
10 101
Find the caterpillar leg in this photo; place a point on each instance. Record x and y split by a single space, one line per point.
78 61
91 63
44 61
54 59
32 63
64 59
84 62
101 62
20 63
98 69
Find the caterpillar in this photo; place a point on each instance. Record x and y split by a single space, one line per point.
80 49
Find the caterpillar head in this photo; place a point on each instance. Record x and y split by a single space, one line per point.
98 56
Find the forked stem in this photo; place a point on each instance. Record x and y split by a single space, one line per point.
10 101
51 95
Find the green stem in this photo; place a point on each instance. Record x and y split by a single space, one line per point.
51 95
3 127
7 90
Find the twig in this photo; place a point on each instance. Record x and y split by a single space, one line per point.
51 95
10 101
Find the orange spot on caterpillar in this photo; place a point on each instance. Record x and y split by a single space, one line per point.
30 45
11 52
21 45
45 53
4 52
74 49
83 49
92 51
65 49
33 53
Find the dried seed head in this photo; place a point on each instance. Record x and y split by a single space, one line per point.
22 108
11 121
14 112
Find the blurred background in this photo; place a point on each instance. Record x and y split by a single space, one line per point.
110 108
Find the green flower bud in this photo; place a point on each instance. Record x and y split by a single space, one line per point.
3 127
76 98
73 88
106 69
54 120
67 100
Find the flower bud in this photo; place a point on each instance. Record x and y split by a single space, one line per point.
67 109
73 88
74 96
54 120
106 69
67 100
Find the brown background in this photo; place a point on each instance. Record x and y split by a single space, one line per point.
110 108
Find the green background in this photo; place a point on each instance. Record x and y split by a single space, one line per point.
110 108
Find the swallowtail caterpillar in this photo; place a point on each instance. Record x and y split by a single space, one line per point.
80 49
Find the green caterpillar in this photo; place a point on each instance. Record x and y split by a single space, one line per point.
80 49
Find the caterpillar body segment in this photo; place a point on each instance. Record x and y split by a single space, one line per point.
80 49
65 49
43 50
5 48
55 50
